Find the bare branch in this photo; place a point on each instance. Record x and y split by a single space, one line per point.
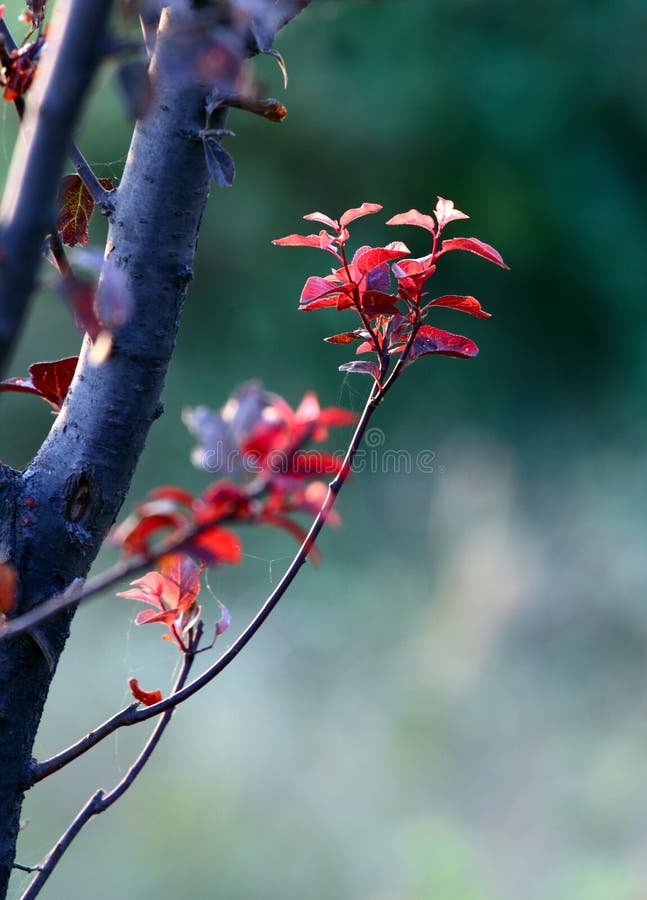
100 802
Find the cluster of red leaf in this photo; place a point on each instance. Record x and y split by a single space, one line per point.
18 66
173 594
263 446
385 287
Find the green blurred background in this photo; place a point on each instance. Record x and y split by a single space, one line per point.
453 706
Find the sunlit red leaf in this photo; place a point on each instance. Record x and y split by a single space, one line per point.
301 240
414 217
445 212
473 245
435 340
323 218
148 698
375 256
49 380
75 206
181 580
315 288
8 587
366 209
468 305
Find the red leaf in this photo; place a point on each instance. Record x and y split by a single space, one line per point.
366 209
341 301
135 533
446 212
375 256
181 580
414 217
8 587
474 246
322 240
148 698
315 288
49 380
323 218
75 206
464 304
215 546
435 340
308 463
376 303
346 337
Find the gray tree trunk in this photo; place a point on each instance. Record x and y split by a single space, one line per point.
80 476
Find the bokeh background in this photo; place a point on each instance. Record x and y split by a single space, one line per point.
453 706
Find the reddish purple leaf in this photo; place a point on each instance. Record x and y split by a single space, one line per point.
468 305
414 217
474 246
49 380
435 340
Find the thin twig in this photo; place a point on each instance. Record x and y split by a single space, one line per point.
99 194
100 802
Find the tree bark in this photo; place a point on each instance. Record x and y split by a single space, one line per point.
56 514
